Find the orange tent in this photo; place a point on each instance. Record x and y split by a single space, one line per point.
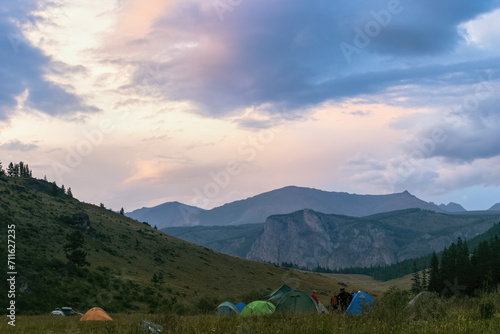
96 314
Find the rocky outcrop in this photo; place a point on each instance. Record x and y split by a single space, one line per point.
310 239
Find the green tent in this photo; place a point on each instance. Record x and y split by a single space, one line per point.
258 307
297 301
276 295
226 308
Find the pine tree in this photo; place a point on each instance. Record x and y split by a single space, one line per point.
55 190
21 169
16 170
74 249
434 277
464 266
2 172
416 285
122 212
69 193
425 281
11 170
63 189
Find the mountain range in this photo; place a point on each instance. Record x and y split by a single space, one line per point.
281 201
310 239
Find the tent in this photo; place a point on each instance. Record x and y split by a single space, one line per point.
95 314
297 301
421 298
227 308
240 306
278 294
360 302
258 307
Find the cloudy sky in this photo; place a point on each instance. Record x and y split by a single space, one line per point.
135 103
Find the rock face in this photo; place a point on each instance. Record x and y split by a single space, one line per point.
310 239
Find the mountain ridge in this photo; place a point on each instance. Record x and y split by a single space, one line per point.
284 200
308 239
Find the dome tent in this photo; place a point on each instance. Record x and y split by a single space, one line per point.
96 314
258 307
240 306
297 302
360 302
227 308
276 295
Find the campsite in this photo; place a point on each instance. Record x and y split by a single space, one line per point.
391 315
178 286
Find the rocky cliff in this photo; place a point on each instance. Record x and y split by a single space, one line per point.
310 239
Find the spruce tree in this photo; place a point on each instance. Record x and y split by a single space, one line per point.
21 169
11 170
434 277
122 212
425 282
416 285
2 172
69 193
74 249
16 170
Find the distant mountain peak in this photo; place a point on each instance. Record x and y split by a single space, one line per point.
495 207
284 200
452 207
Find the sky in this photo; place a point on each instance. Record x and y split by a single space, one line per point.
136 103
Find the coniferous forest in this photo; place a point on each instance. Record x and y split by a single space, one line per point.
460 271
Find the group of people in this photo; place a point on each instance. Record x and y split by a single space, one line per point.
342 300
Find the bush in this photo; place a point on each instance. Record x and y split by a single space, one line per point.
206 305
487 309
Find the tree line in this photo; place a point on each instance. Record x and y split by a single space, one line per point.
460 271
16 170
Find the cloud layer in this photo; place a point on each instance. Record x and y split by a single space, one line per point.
25 68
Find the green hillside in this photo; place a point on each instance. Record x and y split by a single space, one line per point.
132 266
236 240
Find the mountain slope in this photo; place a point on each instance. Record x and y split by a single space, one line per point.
133 267
495 207
167 214
310 239
286 200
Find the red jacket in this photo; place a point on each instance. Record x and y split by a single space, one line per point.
315 297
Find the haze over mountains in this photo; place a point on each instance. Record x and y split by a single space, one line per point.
281 201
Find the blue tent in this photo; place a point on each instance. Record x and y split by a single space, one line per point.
360 302
240 306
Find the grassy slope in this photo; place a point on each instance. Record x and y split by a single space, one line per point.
122 250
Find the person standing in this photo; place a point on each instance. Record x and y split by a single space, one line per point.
344 299
315 296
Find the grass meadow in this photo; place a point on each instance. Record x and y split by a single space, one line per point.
391 315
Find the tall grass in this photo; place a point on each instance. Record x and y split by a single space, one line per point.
391 315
